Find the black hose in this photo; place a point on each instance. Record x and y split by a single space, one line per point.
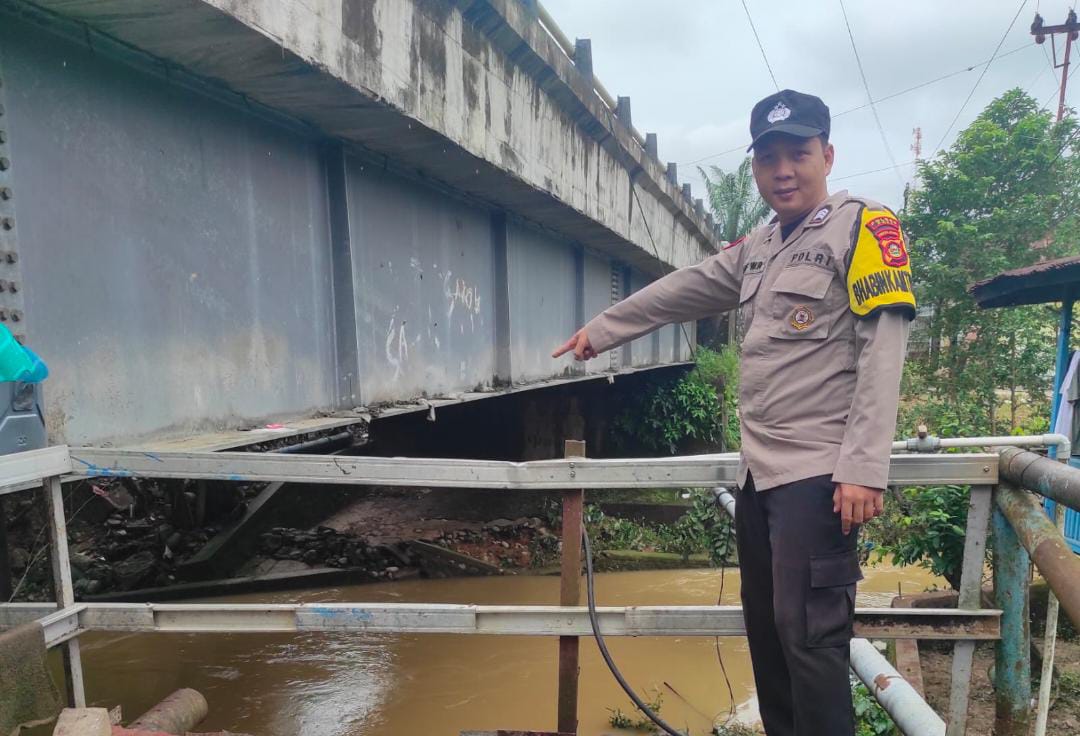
590 587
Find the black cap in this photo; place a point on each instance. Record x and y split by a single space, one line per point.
789 112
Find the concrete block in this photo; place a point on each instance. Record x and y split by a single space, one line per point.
83 722
622 111
583 57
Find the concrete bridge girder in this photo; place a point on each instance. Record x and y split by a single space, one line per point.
193 262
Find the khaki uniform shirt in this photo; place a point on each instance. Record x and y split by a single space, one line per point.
825 322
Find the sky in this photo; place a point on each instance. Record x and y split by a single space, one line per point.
693 71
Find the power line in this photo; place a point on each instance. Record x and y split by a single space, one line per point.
981 75
874 171
927 83
869 97
865 105
762 48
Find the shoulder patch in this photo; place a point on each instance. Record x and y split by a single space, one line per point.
733 243
879 273
820 216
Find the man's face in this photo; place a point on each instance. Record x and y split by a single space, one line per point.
790 173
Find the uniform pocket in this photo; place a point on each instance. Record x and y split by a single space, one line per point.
747 291
830 602
800 310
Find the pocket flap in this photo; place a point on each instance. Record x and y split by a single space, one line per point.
842 568
749 287
806 281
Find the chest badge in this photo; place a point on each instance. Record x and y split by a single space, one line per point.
802 318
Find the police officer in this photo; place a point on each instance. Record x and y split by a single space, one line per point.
825 296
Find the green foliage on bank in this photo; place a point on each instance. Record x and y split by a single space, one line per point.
695 413
703 529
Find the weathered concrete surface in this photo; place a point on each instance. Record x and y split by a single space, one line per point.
472 93
83 722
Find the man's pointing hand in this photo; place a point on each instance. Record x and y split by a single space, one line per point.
579 343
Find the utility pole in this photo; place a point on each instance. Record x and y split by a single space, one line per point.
1071 29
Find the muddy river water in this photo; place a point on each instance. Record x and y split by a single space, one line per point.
436 685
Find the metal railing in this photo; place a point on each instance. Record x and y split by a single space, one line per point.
1016 513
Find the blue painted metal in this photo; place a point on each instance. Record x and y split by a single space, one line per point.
644 350
1012 670
1061 363
424 282
543 273
597 297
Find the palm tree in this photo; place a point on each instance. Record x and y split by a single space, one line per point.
734 200
737 208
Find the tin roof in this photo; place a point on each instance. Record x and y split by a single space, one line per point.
1042 283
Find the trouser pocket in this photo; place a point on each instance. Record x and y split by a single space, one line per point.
830 602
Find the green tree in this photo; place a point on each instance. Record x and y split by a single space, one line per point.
734 200
1004 196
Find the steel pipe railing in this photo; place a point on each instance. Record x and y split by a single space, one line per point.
928 443
1047 477
1047 547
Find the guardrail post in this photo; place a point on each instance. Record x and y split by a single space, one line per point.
978 520
573 503
62 586
1012 664
1049 642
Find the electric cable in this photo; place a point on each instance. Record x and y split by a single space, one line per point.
652 240
869 96
981 75
760 47
865 105
602 645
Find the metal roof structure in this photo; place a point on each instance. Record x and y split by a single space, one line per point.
1042 283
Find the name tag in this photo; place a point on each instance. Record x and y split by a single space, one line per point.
753 267
812 257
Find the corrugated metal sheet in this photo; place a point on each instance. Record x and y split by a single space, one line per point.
543 301
175 263
424 285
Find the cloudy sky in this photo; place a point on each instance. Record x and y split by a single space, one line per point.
693 71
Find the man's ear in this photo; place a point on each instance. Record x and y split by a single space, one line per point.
830 154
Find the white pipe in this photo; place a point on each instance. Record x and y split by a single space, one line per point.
900 700
911 714
930 444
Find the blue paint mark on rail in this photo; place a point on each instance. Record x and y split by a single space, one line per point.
152 456
98 471
358 615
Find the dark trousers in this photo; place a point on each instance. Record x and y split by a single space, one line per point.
798 593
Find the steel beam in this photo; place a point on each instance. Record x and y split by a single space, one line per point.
32 466
980 505
445 618
674 472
